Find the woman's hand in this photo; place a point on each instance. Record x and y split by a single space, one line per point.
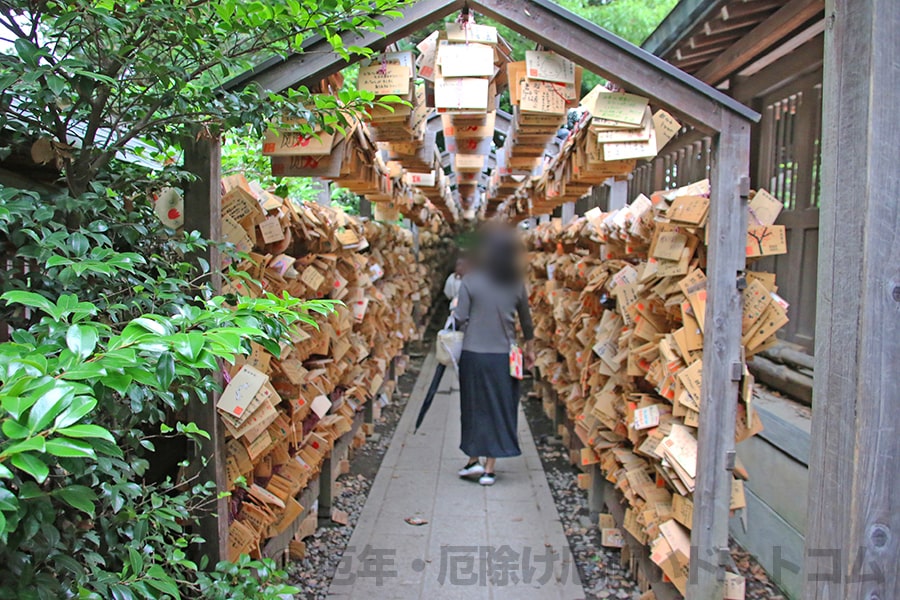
529 356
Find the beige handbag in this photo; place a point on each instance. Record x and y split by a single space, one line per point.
449 344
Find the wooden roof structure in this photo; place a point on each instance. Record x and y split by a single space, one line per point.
711 39
637 70
542 21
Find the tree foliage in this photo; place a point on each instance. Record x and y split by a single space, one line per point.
89 77
632 20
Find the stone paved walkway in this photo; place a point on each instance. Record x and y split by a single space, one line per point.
501 542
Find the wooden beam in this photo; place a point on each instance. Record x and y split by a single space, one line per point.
203 213
688 54
720 25
721 360
800 62
318 60
743 9
793 15
690 65
703 41
785 48
603 53
853 530
684 16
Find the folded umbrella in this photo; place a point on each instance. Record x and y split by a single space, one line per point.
429 396
449 354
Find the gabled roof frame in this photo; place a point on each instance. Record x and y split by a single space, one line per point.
554 27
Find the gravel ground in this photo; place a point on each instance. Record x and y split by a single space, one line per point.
600 568
325 548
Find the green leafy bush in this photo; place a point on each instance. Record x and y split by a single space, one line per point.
115 333
82 402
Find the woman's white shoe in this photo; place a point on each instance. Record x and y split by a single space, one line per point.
487 479
468 471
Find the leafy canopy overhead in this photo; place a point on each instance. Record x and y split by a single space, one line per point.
90 76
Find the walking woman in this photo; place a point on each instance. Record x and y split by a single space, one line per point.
490 298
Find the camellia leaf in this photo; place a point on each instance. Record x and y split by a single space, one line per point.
135 560
35 444
66 448
188 345
56 84
31 464
27 51
80 407
165 370
78 496
14 430
17 402
150 325
82 339
117 381
49 405
88 370
78 244
8 500
29 299
29 490
86 431
162 581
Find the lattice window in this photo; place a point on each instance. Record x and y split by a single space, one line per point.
817 148
782 167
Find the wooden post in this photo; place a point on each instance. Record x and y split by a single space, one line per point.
365 208
618 194
324 197
415 235
721 361
369 413
203 213
326 487
659 175
597 492
567 212
853 531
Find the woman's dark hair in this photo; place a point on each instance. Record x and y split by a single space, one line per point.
499 254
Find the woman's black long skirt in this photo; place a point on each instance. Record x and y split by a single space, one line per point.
489 398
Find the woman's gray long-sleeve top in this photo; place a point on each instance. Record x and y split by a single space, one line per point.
487 311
